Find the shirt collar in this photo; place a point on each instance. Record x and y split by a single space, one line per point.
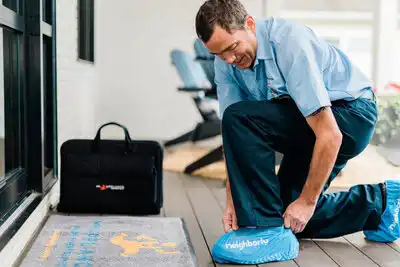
261 36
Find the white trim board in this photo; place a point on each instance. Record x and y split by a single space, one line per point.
12 252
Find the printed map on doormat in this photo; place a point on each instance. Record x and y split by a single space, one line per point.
111 241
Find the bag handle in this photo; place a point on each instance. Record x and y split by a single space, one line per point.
128 140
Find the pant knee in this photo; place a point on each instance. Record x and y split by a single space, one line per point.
232 114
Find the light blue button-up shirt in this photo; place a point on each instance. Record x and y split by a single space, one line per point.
291 60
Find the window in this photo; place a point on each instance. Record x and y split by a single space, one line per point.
13 169
333 40
28 133
359 45
14 5
49 108
11 139
86 30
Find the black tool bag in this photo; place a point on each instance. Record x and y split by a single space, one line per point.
111 176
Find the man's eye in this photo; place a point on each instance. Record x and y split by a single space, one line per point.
233 47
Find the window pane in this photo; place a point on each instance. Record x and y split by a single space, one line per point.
15 5
46 6
2 132
329 5
11 108
11 4
86 30
48 105
334 41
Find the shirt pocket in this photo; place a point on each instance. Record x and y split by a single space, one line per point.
253 85
275 81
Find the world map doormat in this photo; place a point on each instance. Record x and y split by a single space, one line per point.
111 241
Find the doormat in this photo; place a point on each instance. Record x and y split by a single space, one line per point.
111 241
178 159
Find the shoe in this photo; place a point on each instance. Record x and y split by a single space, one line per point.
256 246
389 228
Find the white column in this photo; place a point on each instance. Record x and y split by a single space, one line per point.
272 7
383 35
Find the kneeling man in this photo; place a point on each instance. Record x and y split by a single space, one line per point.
282 88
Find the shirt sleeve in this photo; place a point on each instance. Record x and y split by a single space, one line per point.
300 58
228 91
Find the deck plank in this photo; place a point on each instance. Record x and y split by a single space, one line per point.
311 255
208 211
176 204
218 190
380 253
279 264
161 214
395 245
344 253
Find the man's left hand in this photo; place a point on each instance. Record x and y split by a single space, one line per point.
297 214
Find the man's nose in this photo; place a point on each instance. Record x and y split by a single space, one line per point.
230 59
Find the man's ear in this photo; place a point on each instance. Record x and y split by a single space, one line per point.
250 23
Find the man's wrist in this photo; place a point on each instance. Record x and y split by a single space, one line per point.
310 195
229 200
326 151
228 193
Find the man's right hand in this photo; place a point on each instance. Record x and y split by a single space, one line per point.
229 218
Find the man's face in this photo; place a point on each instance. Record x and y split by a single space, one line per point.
237 47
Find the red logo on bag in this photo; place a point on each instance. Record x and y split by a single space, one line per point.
104 187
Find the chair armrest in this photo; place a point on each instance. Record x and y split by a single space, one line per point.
203 58
212 93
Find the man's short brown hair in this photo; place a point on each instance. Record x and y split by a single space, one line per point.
228 14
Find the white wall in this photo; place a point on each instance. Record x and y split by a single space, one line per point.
137 83
77 80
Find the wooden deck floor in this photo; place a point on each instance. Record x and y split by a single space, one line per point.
200 203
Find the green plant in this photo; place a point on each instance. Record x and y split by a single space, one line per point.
388 123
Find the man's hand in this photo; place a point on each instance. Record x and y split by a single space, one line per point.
297 214
326 148
229 219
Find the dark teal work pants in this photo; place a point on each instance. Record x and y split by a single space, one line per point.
253 130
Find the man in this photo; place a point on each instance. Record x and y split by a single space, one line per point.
282 88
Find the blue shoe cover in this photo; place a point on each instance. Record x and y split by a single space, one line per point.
256 246
389 228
